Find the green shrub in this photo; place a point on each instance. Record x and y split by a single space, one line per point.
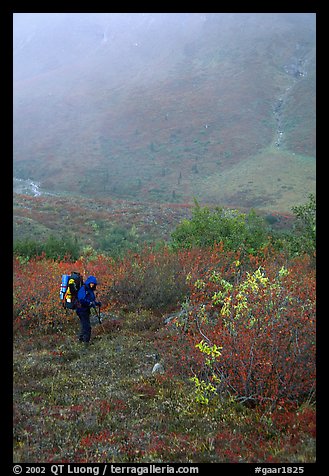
236 230
53 248
303 237
118 240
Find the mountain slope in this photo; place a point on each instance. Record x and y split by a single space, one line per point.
165 107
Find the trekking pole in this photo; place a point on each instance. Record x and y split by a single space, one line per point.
99 314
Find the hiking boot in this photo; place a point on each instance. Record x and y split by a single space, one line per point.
85 347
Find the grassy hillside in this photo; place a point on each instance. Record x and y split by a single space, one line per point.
164 107
270 180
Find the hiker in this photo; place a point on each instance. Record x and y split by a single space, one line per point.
86 300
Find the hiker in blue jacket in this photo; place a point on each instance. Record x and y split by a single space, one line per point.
86 300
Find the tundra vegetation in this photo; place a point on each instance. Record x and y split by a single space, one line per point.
226 306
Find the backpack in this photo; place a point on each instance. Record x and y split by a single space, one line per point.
69 289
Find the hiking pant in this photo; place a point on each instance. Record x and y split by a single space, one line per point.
85 327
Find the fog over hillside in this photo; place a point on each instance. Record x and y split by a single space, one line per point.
167 106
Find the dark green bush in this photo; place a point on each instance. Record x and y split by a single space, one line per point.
207 227
53 248
118 240
303 236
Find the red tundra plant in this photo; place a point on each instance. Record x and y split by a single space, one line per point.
36 283
262 318
36 293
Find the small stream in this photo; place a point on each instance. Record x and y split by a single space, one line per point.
297 70
27 187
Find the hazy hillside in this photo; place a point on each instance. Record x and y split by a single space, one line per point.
165 107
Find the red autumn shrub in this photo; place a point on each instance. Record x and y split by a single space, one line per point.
36 302
151 280
264 321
